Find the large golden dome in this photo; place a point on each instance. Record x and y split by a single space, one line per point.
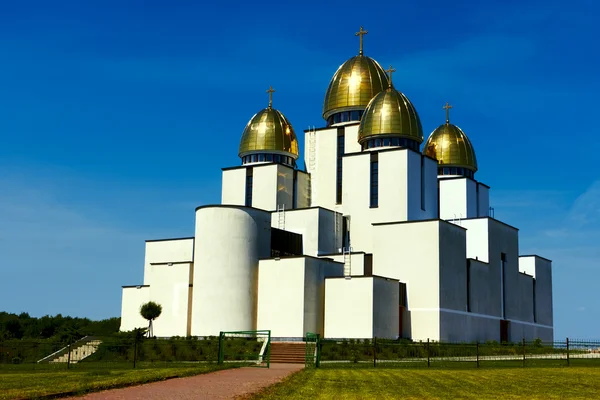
354 84
451 147
269 131
390 113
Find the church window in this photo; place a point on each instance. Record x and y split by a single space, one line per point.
340 153
249 184
386 142
374 192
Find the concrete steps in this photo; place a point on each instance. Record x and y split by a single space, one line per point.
288 353
79 350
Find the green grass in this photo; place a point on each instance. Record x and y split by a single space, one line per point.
22 381
481 384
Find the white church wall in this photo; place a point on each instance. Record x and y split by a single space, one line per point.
453 199
132 300
484 200
477 238
169 287
302 190
316 225
519 331
349 308
460 326
484 295
394 190
527 265
285 187
229 243
422 194
453 267
323 176
357 261
351 144
409 252
386 310
543 292
281 296
356 200
233 189
264 187
523 310
180 250
291 295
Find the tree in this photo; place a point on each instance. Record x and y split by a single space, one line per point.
150 311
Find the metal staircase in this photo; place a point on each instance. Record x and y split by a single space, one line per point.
348 262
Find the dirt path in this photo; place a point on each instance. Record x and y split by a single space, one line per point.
226 384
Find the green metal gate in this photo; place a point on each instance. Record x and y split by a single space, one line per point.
312 357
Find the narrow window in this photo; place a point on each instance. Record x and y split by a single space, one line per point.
503 284
295 190
477 199
374 181
248 187
469 285
534 305
423 183
340 154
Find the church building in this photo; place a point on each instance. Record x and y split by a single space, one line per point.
380 235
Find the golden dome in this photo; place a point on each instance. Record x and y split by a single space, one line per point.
355 83
451 147
269 131
390 113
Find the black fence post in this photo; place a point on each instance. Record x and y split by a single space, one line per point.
428 358
374 352
69 354
568 359
477 354
523 352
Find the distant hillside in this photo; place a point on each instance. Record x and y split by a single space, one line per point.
23 326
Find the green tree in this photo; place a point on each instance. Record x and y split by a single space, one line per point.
150 311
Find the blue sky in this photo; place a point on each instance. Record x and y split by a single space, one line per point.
116 117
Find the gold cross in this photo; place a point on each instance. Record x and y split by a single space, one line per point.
390 71
360 33
270 91
447 107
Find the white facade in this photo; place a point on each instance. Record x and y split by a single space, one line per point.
361 244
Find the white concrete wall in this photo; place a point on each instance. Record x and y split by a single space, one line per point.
351 144
285 187
230 242
233 188
527 265
543 291
302 190
453 267
357 262
386 310
281 296
349 308
264 187
410 252
417 164
484 200
459 198
291 295
132 300
170 287
323 176
317 227
477 238
356 201
165 251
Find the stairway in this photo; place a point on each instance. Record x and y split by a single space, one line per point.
79 350
288 353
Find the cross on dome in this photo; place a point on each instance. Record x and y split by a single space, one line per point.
447 107
271 91
390 71
360 34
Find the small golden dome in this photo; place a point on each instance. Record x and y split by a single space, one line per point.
355 83
390 113
451 147
269 131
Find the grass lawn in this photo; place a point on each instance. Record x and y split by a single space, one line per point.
380 383
18 382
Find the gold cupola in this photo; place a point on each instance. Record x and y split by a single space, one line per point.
451 147
354 83
269 137
390 119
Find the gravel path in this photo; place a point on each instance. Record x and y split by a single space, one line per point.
226 384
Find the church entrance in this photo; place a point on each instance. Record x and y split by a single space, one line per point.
504 325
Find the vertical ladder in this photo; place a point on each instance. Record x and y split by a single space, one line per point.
347 262
312 162
281 216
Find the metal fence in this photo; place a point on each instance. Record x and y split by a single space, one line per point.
404 353
123 351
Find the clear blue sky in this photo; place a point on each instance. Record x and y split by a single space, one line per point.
116 117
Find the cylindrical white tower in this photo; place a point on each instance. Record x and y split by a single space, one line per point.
229 242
